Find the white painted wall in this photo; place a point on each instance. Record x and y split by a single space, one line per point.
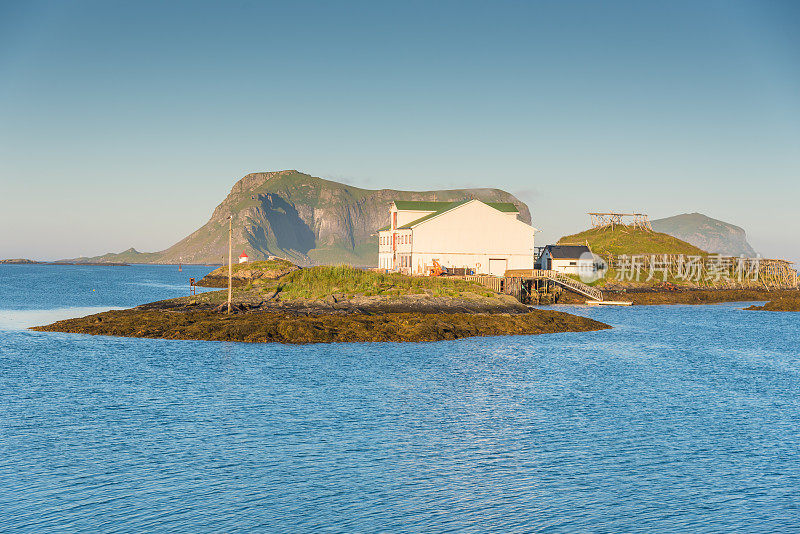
567 266
469 236
406 216
389 256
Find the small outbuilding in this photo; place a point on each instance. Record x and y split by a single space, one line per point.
567 259
243 257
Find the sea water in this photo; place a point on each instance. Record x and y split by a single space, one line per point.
680 418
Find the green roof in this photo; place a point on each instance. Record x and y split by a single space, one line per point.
440 207
415 205
505 207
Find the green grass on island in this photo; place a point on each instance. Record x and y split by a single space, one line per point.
266 267
317 283
333 304
321 288
243 273
631 241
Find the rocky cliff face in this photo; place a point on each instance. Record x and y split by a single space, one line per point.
305 219
706 233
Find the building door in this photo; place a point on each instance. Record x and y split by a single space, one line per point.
498 266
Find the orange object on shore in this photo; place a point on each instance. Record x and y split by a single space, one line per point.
436 270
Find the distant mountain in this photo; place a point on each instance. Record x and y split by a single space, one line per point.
706 233
299 217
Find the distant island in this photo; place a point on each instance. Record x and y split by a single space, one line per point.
18 261
25 261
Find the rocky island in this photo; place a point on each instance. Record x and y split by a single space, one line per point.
18 261
332 304
787 302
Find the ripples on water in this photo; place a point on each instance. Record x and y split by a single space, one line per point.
680 419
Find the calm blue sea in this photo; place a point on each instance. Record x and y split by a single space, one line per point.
679 419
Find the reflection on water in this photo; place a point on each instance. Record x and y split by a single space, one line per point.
680 419
21 319
173 287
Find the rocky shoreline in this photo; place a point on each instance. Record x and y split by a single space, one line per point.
296 327
783 303
281 303
647 296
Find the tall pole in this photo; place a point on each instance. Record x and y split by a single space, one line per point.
230 261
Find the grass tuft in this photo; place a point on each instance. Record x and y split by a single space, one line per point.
317 283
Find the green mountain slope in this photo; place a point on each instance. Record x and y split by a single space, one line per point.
302 218
709 234
631 241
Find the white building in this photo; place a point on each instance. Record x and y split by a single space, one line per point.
243 257
568 259
487 238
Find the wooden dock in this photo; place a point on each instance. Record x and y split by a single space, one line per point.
523 283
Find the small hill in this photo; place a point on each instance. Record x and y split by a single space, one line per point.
302 218
630 241
713 235
250 271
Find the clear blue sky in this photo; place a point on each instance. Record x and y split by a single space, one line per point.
124 123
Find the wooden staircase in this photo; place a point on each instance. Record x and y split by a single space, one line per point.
574 285
510 284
